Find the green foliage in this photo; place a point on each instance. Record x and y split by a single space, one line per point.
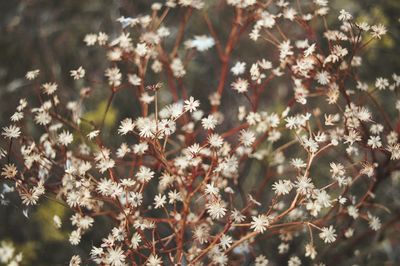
44 217
29 251
97 114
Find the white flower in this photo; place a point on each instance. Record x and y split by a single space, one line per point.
310 251
351 137
344 15
201 233
225 242
321 2
255 73
141 49
337 169
241 3
259 223
146 98
92 134
147 127
304 185
237 216
154 260
264 64
166 126
9 171
30 75
115 257
349 232
126 126
215 140
78 73
247 137
310 144
323 77
127 21
374 142
124 41
298 163
174 196
394 151
105 164
283 248
285 49
90 39
240 85
282 187
75 261
145 174
65 138
292 122
352 211
211 190
310 50
254 34
135 198
159 201
57 221
11 132
17 116
216 209
49 88
294 261
202 43
381 83
374 222
102 38
191 105
378 31
134 79
323 198
42 118
135 240
96 252
140 148
238 68
75 237
114 76
363 26
376 129
328 234
209 122
123 150
175 110
261 260
177 68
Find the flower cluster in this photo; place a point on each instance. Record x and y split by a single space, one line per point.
177 189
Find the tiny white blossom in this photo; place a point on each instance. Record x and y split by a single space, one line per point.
30 75
239 68
126 126
78 73
191 104
259 223
209 122
159 201
145 174
328 234
65 138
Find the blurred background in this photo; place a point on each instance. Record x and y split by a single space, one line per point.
48 35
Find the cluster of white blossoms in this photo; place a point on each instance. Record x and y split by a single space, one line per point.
8 255
190 184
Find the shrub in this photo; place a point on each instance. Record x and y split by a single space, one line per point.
215 182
